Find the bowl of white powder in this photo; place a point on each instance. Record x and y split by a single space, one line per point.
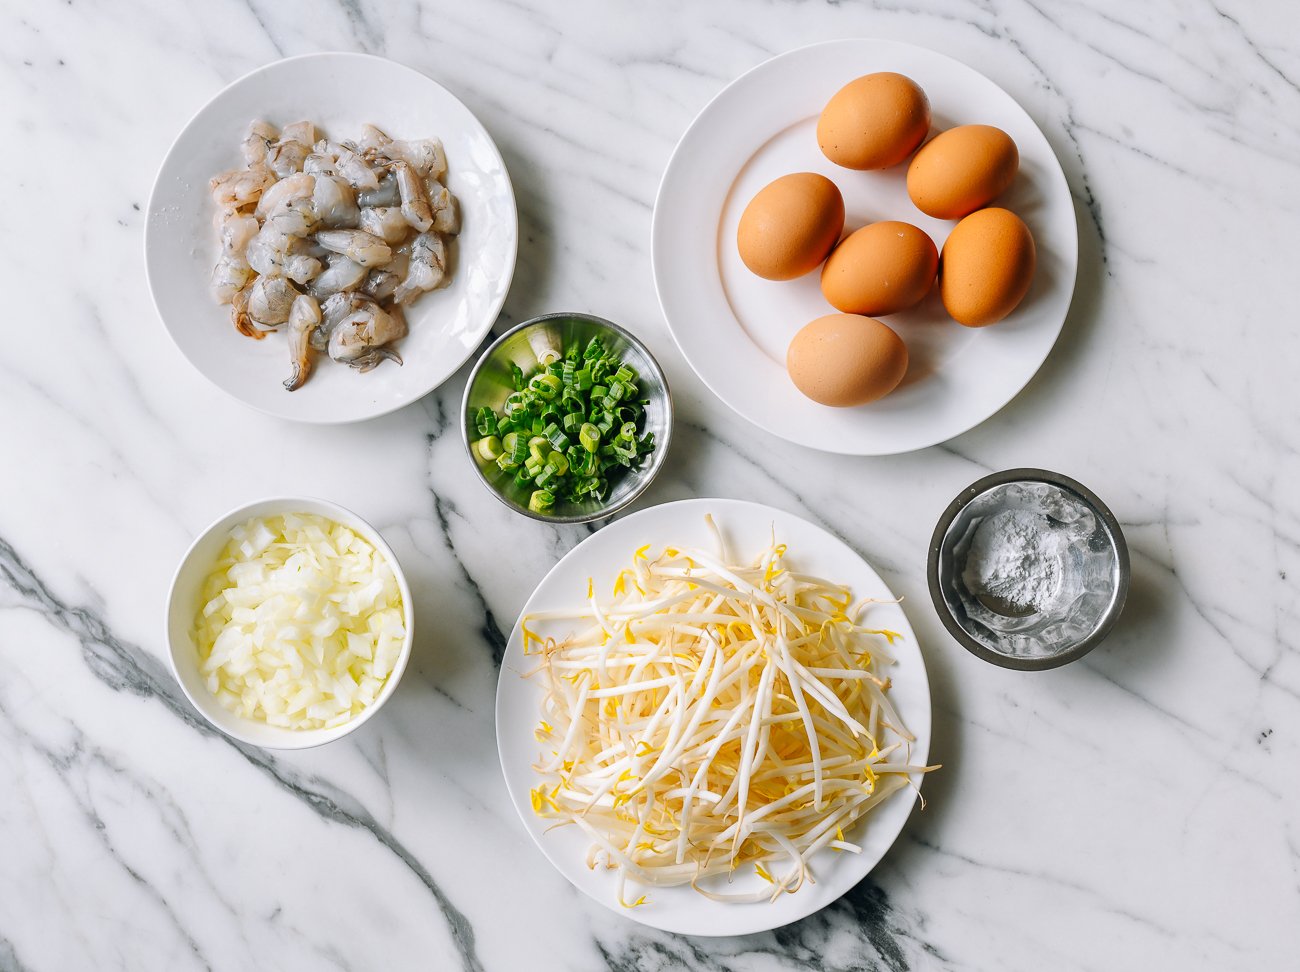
1028 569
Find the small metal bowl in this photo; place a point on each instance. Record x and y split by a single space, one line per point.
490 384
1104 545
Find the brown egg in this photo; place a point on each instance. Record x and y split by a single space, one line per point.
986 267
843 360
882 268
962 170
790 225
874 122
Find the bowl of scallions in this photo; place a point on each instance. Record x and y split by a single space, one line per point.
567 418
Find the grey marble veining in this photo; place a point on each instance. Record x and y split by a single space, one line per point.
1137 810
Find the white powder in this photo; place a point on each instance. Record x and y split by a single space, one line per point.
1016 555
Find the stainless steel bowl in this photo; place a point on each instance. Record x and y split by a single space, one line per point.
490 384
1005 634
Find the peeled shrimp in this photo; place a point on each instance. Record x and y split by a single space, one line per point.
288 154
334 309
385 222
425 156
303 132
319 165
238 188
381 284
270 300
446 214
359 339
239 316
349 164
386 194
258 139
304 318
273 254
294 217
356 245
334 202
231 275
300 185
426 270
236 232
415 203
342 274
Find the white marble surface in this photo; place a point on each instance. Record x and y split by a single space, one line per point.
1137 810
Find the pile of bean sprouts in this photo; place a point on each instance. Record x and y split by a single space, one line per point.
714 715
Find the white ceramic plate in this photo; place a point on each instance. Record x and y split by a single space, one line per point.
748 528
734 328
446 326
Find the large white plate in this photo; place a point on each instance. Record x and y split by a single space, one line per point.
734 327
339 92
748 528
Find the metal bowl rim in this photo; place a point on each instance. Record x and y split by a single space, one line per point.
1104 625
646 475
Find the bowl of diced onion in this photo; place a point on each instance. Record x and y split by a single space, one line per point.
289 623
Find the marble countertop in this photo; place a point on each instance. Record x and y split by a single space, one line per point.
1137 810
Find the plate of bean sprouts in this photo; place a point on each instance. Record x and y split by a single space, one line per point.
713 716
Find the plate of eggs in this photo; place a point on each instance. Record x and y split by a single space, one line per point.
864 246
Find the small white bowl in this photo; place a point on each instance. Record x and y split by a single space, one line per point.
183 605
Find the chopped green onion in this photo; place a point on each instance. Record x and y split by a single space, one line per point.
489 448
569 426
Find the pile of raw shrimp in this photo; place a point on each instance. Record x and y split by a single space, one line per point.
332 239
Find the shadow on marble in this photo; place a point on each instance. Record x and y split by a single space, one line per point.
1147 611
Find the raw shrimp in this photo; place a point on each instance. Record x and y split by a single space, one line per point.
319 165
359 339
239 316
294 217
230 276
270 299
386 194
446 214
238 188
342 274
236 232
272 254
288 154
333 311
334 202
349 164
304 318
257 140
381 284
385 222
425 156
427 268
300 185
357 245
415 204
330 237
303 132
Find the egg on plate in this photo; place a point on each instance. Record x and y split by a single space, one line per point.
790 226
843 360
874 122
882 268
986 267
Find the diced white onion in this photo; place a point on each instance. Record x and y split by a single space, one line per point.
302 622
